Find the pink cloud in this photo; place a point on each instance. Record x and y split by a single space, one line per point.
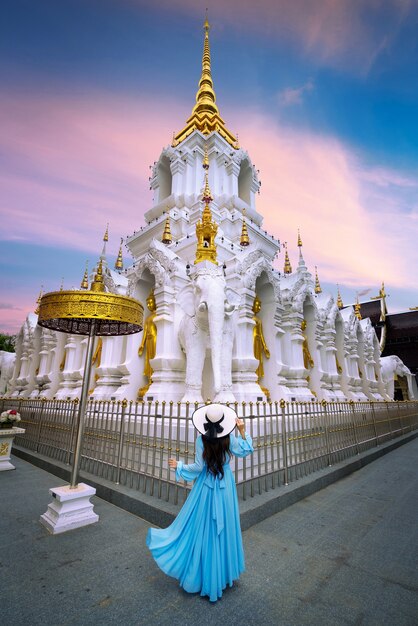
295 95
348 33
317 184
75 164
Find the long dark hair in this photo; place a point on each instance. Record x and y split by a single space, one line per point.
215 454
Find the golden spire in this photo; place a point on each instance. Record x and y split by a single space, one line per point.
38 301
205 116
98 284
318 288
299 239
287 266
119 260
357 309
85 281
167 237
245 240
206 229
340 303
106 235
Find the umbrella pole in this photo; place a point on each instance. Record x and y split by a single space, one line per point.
82 407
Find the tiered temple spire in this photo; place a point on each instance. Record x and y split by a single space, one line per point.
119 260
167 237
287 267
340 303
318 288
206 229
357 309
85 281
205 115
38 301
245 239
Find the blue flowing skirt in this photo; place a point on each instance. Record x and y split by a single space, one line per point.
202 548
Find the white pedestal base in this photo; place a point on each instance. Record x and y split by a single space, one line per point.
70 508
6 441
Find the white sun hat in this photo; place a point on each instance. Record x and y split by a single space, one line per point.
214 420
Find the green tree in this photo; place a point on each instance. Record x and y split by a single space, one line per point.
7 342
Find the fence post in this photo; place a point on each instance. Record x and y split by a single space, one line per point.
324 406
121 433
284 440
351 402
38 434
376 436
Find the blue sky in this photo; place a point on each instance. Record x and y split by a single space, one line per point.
322 94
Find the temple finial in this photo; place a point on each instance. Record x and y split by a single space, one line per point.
38 301
98 283
106 235
340 303
287 267
299 239
167 237
205 115
357 309
245 240
119 260
85 281
318 288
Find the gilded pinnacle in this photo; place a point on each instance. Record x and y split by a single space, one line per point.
245 240
357 309
167 237
98 284
318 288
287 267
340 303
106 235
205 115
119 260
299 240
85 281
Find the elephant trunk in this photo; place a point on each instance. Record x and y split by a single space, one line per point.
216 323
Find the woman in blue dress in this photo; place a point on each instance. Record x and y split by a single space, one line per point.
202 548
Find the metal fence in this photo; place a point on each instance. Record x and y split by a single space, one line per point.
130 443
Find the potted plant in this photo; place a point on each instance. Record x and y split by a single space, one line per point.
9 418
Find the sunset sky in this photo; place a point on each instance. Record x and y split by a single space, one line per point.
322 93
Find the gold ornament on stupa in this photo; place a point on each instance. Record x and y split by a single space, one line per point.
357 309
318 288
106 235
167 237
38 301
205 116
245 240
206 228
299 240
340 303
287 267
85 281
119 260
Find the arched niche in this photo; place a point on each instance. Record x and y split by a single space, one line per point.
265 292
164 178
132 363
245 178
311 356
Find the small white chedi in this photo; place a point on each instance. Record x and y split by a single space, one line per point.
223 324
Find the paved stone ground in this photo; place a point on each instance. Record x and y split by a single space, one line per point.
346 555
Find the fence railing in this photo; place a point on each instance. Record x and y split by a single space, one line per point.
130 443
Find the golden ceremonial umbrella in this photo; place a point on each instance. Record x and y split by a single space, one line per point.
92 312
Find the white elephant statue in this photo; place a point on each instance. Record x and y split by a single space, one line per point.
208 323
7 363
393 366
